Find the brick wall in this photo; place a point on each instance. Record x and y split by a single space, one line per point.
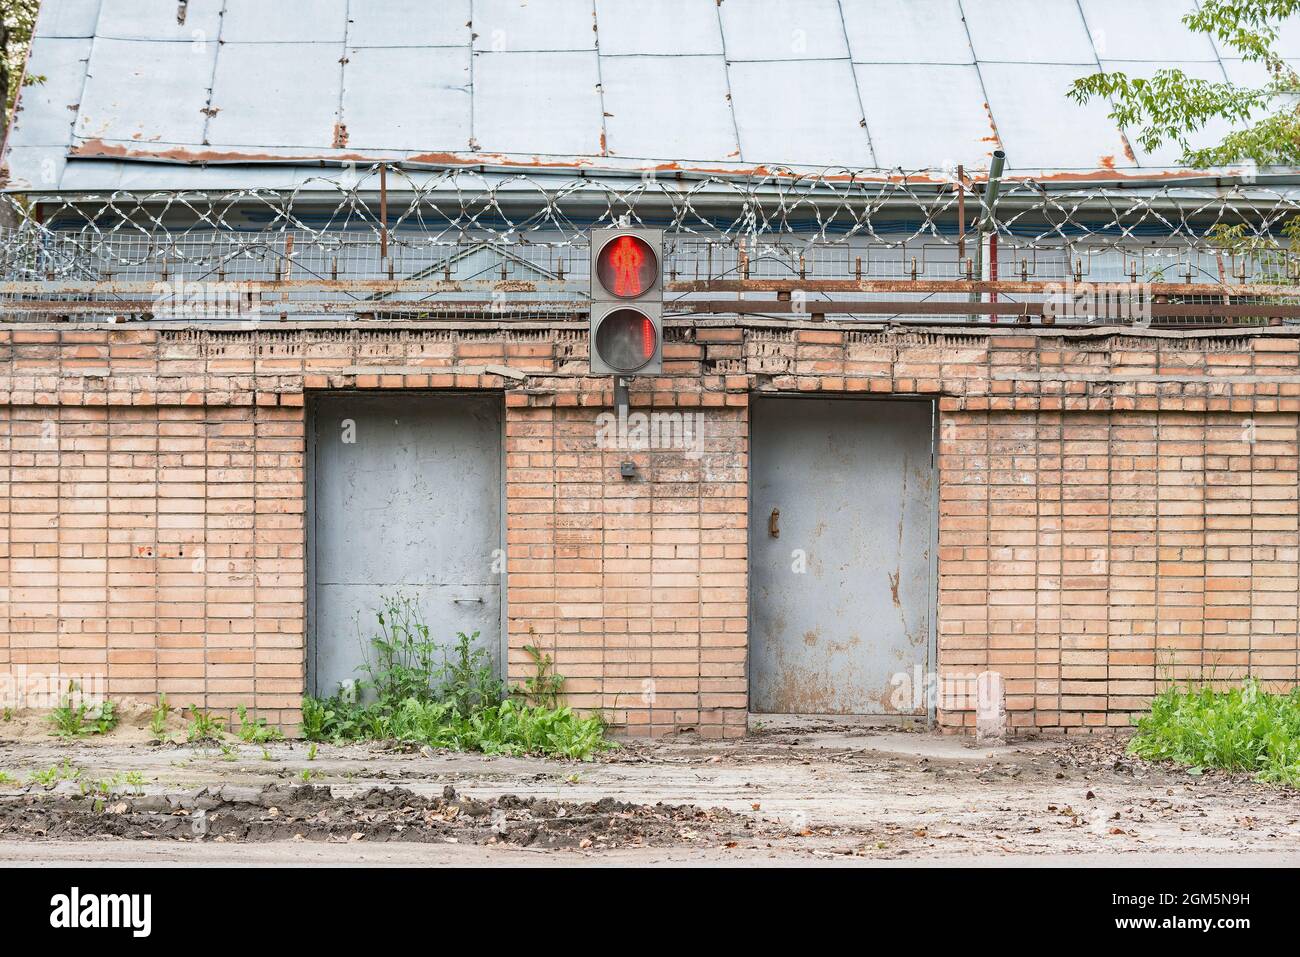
638 585
159 546
1088 555
1114 508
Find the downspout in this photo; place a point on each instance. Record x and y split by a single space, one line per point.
987 225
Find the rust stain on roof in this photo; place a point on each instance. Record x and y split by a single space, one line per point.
1107 175
99 149
995 138
495 159
94 148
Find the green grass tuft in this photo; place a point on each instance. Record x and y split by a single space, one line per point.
509 727
76 716
1242 729
405 694
256 731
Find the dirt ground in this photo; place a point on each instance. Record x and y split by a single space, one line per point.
804 793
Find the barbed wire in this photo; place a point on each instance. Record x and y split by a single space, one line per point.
467 226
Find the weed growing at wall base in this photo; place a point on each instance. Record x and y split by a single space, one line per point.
76 716
404 696
204 727
1243 729
508 727
158 721
256 731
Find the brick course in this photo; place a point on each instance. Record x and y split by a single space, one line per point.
1114 508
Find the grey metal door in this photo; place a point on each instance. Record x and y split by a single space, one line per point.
841 529
405 497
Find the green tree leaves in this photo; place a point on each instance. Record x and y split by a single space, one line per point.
1170 105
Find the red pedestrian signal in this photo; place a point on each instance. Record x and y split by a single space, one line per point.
627 300
627 267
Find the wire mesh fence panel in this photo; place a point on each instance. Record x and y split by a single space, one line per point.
472 243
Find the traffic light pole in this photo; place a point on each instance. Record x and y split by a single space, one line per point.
627 468
620 396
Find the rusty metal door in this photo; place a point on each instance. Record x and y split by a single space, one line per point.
841 554
405 496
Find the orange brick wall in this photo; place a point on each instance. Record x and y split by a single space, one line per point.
638 586
1115 508
159 546
1089 556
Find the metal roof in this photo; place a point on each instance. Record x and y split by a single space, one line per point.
152 94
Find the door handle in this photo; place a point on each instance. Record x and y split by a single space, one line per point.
774 523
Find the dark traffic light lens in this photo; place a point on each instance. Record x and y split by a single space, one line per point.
626 340
627 267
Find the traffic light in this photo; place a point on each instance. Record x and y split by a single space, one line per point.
627 301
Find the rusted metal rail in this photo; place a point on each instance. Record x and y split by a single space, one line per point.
683 287
129 287
258 309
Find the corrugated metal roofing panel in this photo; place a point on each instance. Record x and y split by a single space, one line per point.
502 26
281 94
941 122
1251 73
1028 31
67 18
644 108
130 109
907 31
133 20
284 21
430 105
677 28
1288 38
1033 116
298 82
1119 33
40 131
86 175
137 177
40 167
799 111
409 23
548 100
108 175
783 30
48 109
